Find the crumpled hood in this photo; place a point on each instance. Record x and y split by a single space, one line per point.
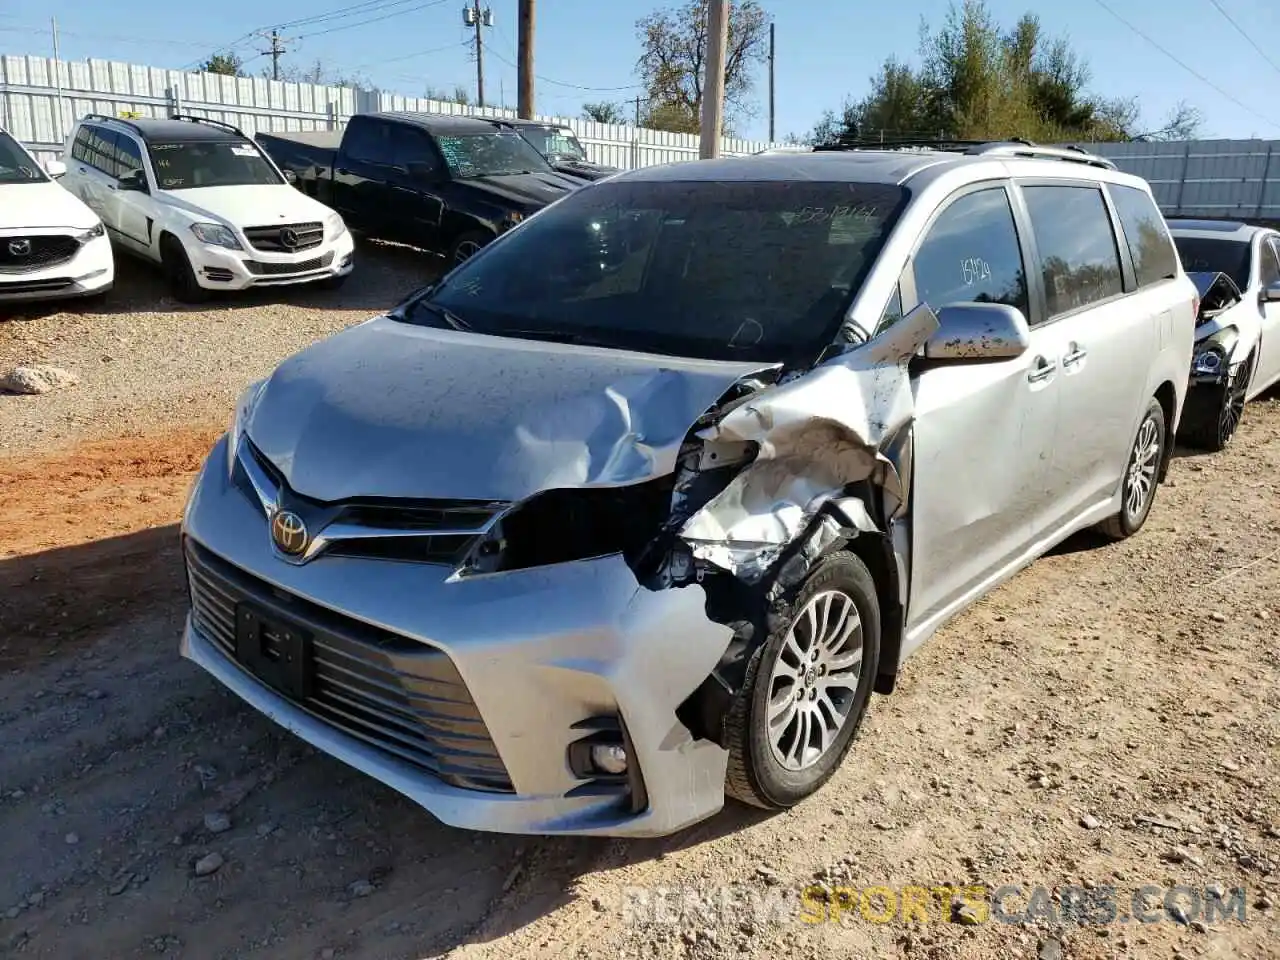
388 409
583 169
249 206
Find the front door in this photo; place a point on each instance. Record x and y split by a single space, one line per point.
984 431
1268 363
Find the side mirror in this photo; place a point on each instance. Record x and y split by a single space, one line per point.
290 177
979 331
136 181
55 168
1271 292
421 171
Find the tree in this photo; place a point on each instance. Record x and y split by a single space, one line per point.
604 112
228 64
459 95
321 74
673 43
978 81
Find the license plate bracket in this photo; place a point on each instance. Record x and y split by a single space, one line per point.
274 651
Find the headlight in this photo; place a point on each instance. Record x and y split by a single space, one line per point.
244 409
1213 354
97 230
334 226
216 235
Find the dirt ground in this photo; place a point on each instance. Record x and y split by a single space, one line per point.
1111 717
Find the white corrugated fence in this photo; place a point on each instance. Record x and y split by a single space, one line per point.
41 99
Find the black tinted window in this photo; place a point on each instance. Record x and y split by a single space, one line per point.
407 145
1145 234
971 254
1205 255
1270 269
97 147
734 270
367 140
1079 259
128 156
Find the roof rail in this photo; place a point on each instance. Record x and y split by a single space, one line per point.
1015 147
213 123
103 117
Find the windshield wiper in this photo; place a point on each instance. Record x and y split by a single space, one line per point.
448 316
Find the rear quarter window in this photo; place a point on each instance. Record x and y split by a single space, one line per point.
1145 234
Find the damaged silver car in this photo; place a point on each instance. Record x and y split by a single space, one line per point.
637 507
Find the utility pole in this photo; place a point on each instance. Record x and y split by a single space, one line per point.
57 74
473 16
713 81
637 111
524 98
277 48
771 114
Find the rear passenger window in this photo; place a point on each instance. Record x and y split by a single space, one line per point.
1268 264
971 254
1079 259
1145 234
97 147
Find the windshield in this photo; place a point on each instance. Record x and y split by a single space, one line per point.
187 164
490 155
1200 254
16 165
757 271
554 143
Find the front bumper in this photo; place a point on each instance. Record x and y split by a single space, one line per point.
538 651
91 270
217 268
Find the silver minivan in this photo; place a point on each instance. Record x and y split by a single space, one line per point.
637 507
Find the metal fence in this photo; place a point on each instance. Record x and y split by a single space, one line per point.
1224 179
41 99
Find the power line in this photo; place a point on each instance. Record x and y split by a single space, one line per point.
1240 30
573 86
368 6
410 56
1191 70
363 23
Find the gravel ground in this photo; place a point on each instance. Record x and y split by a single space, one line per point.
1107 721
145 360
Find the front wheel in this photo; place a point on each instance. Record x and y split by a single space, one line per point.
1212 418
182 278
467 246
806 689
1141 475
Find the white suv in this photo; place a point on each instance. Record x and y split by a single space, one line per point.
51 244
199 198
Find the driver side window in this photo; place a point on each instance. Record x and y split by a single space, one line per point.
971 254
1267 264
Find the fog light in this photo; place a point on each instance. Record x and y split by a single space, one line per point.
609 758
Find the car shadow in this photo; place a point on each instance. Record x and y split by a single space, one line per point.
99 623
384 274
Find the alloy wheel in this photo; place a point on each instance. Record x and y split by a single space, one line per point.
1233 405
1140 480
465 251
812 685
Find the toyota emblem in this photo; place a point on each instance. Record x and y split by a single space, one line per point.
289 533
20 248
289 238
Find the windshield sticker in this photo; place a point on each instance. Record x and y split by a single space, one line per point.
155 147
245 151
823 214
172 181
471 287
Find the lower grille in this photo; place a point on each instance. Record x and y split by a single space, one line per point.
262 268
392 692
221 274
28 254
286 237
35 286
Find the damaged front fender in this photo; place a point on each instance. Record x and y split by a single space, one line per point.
814 436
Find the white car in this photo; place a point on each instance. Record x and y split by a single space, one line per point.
51 244
199 198
1237 355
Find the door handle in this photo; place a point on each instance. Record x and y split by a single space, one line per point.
1043 369
1074 355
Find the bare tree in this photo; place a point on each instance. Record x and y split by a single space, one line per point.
320 74
672 62
604 112
459 95
1183 123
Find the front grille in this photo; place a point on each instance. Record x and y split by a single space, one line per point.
262 268
397 694
35 286
28 254
276 238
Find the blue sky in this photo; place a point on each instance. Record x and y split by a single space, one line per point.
586 49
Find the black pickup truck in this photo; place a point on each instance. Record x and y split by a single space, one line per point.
561 147
444 183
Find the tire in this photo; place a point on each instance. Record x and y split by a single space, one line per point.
1141 475
772 770
1211 422
466 246
182 278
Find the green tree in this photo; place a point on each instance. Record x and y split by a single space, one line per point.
673 44
604 112
228 64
